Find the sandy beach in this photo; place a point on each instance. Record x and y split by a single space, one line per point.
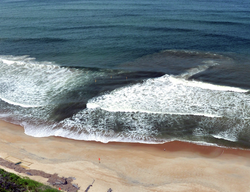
172 167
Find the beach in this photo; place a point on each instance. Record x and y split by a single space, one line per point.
174 166
126 95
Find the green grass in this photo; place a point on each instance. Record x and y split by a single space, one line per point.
10 182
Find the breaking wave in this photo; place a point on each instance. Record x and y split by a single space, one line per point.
116 105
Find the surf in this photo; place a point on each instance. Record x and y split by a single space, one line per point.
118 105
171 95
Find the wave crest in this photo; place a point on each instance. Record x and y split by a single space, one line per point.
29 83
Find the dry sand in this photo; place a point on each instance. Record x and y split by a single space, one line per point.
130 167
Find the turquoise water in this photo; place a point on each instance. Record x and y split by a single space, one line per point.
132 71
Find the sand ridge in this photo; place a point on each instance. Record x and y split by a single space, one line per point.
131 167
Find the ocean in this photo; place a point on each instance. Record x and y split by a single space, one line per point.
127 71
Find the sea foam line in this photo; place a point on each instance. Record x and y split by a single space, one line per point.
203 85
19 104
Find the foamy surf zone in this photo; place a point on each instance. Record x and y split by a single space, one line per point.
121 105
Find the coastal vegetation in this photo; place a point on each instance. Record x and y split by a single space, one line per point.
10 182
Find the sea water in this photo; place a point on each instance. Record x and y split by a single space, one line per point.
129 71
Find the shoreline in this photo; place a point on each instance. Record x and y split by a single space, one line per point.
182 166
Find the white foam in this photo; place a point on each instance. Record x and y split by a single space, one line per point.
203 85
171 95
19 104
231 134
9 62
92 105
226 137
43 131
32 84
182 79
198 69
29 83
203 143
88 135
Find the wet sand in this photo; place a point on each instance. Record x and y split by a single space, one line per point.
129 167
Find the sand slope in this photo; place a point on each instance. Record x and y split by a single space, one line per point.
130 167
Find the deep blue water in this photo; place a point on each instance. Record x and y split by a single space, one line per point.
107 33
132 71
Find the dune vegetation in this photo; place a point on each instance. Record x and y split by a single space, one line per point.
10 182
